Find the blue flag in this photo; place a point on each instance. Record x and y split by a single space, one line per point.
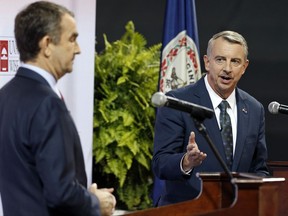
180 64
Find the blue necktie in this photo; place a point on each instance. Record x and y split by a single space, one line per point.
226 132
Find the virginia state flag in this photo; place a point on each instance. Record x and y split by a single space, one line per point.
180 63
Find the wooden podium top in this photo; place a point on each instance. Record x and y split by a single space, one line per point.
243 194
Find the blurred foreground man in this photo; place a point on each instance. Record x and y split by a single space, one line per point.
42 169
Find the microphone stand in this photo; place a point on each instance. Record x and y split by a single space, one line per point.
202 129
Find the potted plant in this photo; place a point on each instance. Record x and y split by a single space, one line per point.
126 76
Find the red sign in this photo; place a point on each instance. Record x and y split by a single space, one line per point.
4 55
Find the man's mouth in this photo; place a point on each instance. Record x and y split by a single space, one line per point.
226 77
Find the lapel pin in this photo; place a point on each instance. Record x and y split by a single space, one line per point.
244 110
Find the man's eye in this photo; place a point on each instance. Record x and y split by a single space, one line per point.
72 39
236 62
219 60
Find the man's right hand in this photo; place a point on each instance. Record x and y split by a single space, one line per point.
193 156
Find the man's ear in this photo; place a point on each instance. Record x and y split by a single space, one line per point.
245 66
206 62
44 45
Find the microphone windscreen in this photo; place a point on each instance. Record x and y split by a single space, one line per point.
273 107
159 99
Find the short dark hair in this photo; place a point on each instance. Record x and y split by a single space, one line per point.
33 23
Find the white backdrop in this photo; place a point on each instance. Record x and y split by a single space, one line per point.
77 87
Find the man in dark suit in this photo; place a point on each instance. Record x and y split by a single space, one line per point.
41 163
180 151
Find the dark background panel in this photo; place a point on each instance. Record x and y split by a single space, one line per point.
264 24
113 15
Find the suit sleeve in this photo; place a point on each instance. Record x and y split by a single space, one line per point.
169 144
55 142
258 164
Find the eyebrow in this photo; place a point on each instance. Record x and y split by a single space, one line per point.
223 57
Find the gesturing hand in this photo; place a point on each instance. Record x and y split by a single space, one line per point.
193 156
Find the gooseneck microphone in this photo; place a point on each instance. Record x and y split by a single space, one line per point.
159 99
275 108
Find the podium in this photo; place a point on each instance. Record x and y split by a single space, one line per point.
244 194
280 169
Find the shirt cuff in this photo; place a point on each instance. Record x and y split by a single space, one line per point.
181 167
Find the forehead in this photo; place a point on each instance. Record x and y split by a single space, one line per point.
222 47
68 25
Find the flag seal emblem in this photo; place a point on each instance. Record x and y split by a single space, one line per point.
180 65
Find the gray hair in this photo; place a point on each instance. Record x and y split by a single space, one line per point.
230 36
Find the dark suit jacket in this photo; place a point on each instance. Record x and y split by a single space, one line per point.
41 163
172 130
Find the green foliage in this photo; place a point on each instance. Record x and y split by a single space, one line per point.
126 76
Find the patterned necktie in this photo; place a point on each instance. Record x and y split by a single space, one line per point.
226 132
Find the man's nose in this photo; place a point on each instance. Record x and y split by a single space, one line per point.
228 66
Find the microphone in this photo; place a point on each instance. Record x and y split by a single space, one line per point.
159 99
275 108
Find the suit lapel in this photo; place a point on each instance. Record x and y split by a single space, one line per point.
242 127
